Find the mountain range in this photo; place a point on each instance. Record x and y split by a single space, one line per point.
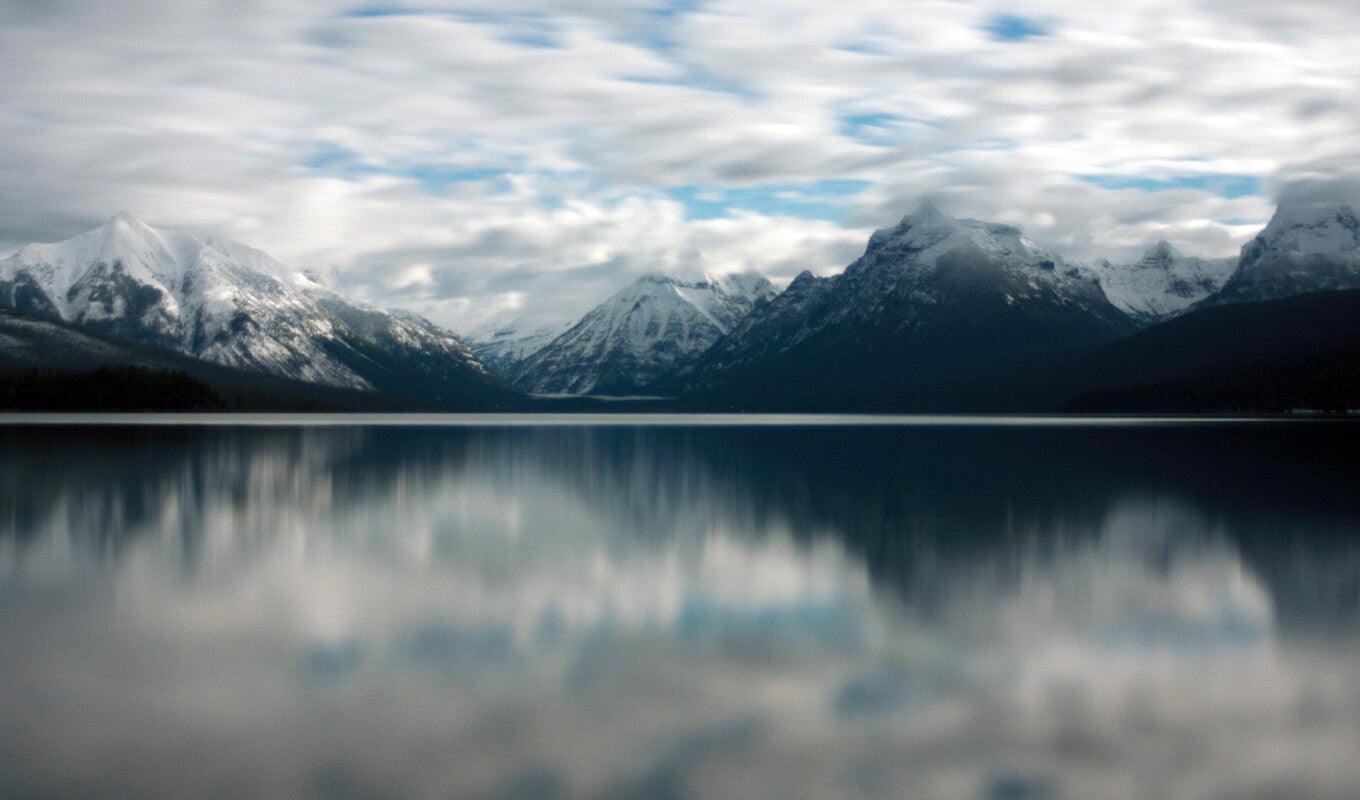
225 303
938 314
926 293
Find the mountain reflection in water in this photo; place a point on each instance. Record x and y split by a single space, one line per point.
654 612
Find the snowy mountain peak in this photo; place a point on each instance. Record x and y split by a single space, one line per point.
927 213
222 301
1162 255
1309 245
124 234
1163 283
916 245
126 220
122 245
642 331
1310 228
751 284
930 228
503 344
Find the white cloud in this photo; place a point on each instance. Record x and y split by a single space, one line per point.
327 137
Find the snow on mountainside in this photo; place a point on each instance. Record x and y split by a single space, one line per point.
1307 229
1306 247
1164 283
502 346
231 304
640 333
929 291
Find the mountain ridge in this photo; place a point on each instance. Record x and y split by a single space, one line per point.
1306 247
926 291
640 333
228 303
1163 283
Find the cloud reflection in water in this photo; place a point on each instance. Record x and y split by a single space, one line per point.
678 613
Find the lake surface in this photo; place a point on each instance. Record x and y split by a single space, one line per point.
1009 611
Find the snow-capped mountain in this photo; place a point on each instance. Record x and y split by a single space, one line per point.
502 346
227 303
1306 247
641 333
927 292
1164 283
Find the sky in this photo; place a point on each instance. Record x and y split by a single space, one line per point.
486 162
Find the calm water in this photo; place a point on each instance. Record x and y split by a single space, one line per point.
930 611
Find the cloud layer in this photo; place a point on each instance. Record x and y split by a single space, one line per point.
472 160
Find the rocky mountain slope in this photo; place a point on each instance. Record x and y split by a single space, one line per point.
1163 284
927 293
230 304
503 346
641 333
47 364
1306 247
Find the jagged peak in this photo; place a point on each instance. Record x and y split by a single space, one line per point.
654 277
125 228
1294 211
930 230
744 281
124 218
740 282
1162 253
1307 226
929 217
927 213
803 281
126 233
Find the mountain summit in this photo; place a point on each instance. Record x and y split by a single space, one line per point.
230 304
642 332
1164 283
1307 247
929 292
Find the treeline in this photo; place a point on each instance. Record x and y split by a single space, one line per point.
1328 384
115 388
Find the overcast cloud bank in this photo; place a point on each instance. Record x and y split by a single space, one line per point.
470 160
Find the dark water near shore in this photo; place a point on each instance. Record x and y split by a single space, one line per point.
946 611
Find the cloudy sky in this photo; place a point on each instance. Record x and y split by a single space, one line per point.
480 161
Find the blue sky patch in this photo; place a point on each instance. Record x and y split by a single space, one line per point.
1012 28
823 200
383 11
330 156
654 31
881 128
696 77
341 162
871 128
1229 187
526 29
531 39
438 176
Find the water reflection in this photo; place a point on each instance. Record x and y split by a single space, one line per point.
675 612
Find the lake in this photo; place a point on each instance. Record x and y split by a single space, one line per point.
620 607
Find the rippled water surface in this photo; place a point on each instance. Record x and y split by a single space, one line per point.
1005 612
